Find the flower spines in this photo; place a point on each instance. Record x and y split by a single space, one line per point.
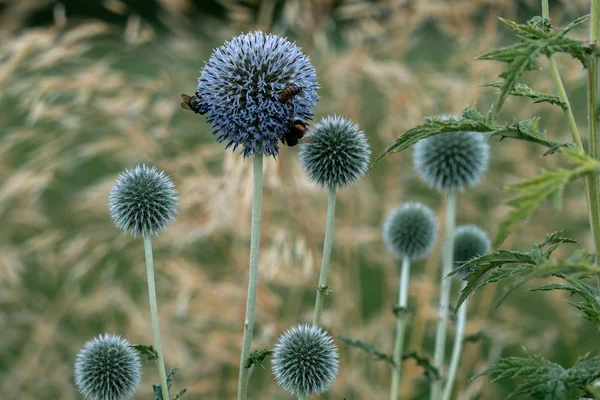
240 86
410 231
142 201
337 154
305 360
107 368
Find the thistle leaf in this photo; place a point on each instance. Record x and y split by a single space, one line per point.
157 388
537 37
575 24
257 357
146 350
523 90
370 349
472 120
543 379
546 186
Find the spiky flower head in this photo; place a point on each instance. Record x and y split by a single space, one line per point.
337 154
107 368
240 87
470 241
142 201
451 159
305 360
410 231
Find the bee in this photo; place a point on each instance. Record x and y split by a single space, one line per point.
288 93
295 131
194 104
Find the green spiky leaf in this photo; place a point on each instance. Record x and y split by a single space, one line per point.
370 349
472 120
537 38
522 90
542 379
146 350
546 186
158 389
257 357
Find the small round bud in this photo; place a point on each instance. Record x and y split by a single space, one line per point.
469 242
410 231
338 153
305 360
451 159
142 201
107 368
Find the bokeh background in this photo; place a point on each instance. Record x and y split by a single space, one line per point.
88 88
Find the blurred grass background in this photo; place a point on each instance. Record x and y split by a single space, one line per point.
90 88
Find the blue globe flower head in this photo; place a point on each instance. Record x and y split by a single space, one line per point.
107 368
337 154
470 241
305 360
410 231
451 159
240 88
142 201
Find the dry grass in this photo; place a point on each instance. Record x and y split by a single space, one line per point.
81 99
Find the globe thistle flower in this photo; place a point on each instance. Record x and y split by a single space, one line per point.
305 360
142 201
410 231
451 159
107 368
469 241
240 88
338 153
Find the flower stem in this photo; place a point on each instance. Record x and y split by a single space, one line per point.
322 288
253 279
593 117
400 328
154 314
457 350
448 260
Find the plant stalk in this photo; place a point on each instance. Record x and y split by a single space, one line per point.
322 288
154 314
400 328
457 349
253 278
445 284
593 117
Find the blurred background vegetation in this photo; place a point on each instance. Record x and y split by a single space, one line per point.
90 88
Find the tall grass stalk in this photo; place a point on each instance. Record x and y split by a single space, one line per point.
442 324
154 314
322 288
400 328
457 349
253 279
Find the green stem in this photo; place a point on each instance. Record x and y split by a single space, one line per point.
457 349
442 324
400 328
253 279
595 22
593 116
322 288
154 314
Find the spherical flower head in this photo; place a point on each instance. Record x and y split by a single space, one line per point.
337 154
240 88
470 241
305 360
410 231
451 159
107 368
142 201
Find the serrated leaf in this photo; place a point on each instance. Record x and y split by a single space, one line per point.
523 90
146 350
257 357
158 388
546 186
370 349
575 24
544 379
537 37
472 120
180 394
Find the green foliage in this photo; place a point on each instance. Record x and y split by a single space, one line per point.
430 372
257 357
522 90
548 185
157 389
473 121
543 379
521 267
146 350
590 304
537 37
